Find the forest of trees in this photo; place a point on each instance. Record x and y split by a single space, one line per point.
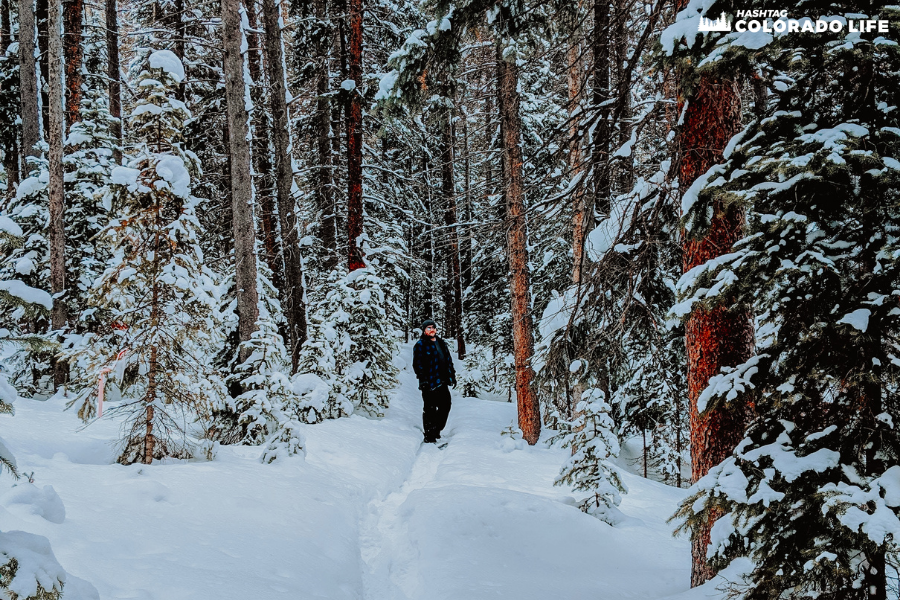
227 216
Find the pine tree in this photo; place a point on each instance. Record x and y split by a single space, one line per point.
40 579
593 441
810 493
158 293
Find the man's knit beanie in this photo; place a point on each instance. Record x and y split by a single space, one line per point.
428 322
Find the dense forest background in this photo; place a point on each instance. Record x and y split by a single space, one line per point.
224 218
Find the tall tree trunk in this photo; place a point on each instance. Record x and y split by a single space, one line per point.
180 46
602 138
295 308
466 241
354 141
113 75
517 236
28 82
324 179
5 25
40 14
427 245
262 160
73 17
241 185
57 232
450 219
575 79
622 108
720 337
11 152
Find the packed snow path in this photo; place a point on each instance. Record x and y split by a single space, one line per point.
369 514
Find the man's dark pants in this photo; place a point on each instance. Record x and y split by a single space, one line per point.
435 411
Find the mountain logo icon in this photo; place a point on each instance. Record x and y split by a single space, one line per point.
720 24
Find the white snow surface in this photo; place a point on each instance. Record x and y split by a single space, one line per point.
31 295
370 514
858 319
168 62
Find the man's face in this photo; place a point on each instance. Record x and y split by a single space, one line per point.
431 331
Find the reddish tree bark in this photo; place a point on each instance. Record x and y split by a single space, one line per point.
354 141
720 337
517 241
73 12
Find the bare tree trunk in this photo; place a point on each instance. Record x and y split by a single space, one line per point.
28 83
295 308
262 163
466 241
153 366
74 11
354 141
427 243
602 138
580 217
11 152
324 179
241 185
449 191
622 107
517 236
180 46
5 26
57 232
112 73
40 14
722 336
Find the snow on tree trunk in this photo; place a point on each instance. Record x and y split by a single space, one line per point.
241 184
295 301
517 240
450 219
28 86
354 140
719 337
72 51
57 232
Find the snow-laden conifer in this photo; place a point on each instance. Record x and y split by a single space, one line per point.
811 493
156 290
594 442
351 344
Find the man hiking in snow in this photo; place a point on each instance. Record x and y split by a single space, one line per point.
434 368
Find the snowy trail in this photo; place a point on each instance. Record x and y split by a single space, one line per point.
388 557
369 514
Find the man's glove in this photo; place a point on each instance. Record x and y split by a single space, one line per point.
452 382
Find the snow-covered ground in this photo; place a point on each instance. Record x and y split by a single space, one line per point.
369 514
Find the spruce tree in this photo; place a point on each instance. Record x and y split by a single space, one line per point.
810 494
156 289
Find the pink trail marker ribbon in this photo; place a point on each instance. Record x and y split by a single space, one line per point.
101 386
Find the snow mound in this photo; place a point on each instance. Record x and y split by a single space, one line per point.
168 62
43 502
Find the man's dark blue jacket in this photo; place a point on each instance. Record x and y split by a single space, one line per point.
426 364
